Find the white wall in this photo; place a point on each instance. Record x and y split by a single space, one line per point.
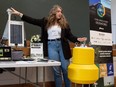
113 18
114 62
114 33
113 11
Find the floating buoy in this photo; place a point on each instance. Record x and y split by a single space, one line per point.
82 70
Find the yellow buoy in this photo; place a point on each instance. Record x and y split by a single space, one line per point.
82 70
83 55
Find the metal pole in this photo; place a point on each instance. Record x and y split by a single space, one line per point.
82 85
36 75
75 85
95 84
25 75
43 76
20 75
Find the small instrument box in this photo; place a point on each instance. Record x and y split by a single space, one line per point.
5 53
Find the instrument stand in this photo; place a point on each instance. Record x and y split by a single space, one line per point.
95 85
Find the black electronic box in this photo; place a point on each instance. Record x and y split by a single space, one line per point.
5 53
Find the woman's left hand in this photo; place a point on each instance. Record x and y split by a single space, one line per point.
82 39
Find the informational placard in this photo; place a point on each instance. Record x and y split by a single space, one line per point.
36 50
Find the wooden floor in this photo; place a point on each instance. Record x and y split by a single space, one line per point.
29 85
48 84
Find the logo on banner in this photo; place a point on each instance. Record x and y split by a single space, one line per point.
110 69
100 10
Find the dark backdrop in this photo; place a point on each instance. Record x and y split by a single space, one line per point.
76 12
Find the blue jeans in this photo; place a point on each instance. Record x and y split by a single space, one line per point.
55 53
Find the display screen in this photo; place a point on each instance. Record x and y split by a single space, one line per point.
16 34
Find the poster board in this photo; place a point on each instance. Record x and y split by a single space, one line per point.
101 40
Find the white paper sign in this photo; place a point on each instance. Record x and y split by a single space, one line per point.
36 50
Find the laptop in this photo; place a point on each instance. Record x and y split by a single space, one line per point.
17 55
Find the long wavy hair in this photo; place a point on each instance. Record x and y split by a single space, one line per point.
51 19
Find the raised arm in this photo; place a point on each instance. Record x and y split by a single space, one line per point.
38 22
15 12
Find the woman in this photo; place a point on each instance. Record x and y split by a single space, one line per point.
55 35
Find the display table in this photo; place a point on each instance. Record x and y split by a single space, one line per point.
26 64
9 64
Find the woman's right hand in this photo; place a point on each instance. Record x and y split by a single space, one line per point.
16 12
82 39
